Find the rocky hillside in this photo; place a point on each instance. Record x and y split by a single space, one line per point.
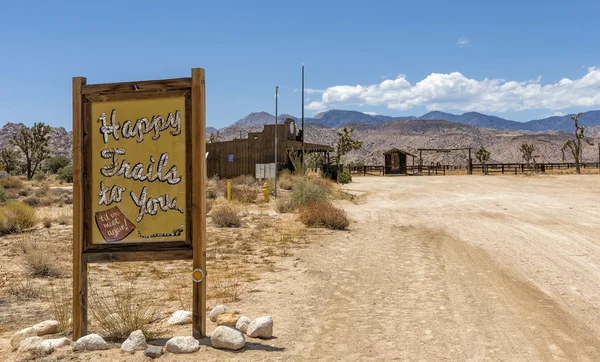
60 141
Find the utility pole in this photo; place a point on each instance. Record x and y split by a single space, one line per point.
303 133
276 99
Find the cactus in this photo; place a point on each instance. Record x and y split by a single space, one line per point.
575 145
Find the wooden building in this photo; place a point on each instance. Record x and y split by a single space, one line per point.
238 157
396 162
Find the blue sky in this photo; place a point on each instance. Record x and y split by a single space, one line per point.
397 58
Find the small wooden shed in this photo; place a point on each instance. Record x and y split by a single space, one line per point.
396 162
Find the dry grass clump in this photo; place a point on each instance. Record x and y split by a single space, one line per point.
209 205
40 261
64 219
323 214
228 286
24 288
47 222
246 180
35 201
304 192
244 194
60 299
122 309
286 184
226 216
211 193
15 217
11 182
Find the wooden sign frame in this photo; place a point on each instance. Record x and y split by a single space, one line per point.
193 246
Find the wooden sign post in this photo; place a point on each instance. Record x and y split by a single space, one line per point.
138 180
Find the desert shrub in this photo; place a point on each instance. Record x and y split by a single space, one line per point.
42 191
243 194
15 217
211 193
63 219
66 174
122 309
284 205
306 191
345 177
40 261
11 182
209 205
326 183
247 180
323 214
24 288
35 201
3 195
53 164
25 192
286 184
226 216
39 177
47 222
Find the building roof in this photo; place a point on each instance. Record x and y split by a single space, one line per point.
395 150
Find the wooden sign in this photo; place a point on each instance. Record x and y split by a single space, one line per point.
138 180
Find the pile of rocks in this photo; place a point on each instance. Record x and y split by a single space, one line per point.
231 327
29 340
230 334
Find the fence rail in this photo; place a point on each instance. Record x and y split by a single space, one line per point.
503 168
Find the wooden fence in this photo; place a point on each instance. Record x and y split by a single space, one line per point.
502 168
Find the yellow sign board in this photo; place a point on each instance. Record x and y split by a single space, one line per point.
138 170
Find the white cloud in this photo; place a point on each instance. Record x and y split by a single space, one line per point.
463 42
370 113
454 91
558 114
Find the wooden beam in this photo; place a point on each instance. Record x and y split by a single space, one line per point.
199 199
140 86
79 266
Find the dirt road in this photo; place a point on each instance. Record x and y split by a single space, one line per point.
448 268
455 268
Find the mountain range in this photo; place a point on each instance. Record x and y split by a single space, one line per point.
338 118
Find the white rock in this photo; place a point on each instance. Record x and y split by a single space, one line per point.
181 317
30 344
182 344
135 342
261 327
227 338
242 324
91 342
19 336
46 327
49 345
216 311
57 343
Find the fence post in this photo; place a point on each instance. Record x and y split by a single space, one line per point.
503 169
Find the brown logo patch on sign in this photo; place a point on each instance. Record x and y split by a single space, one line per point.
113 225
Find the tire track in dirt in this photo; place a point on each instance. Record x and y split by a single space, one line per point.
389 291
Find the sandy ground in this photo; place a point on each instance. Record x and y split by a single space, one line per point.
458 268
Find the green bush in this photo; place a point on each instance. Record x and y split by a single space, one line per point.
305 192
54 164
2 194
15 217
66 174
345 177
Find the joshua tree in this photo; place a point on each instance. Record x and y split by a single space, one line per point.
575 145
483 156
34 145
527 151
345 144
9 159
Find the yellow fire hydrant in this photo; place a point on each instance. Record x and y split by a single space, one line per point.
266 191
